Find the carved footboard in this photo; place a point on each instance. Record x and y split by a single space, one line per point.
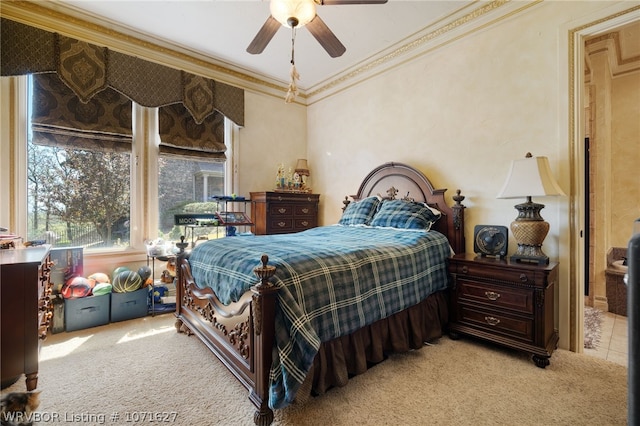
241 334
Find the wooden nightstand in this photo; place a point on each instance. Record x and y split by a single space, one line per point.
505 302
283 212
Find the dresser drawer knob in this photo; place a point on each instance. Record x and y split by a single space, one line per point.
305 223
492 295
282 210
465 270
281 224
305 211
492 320
523 278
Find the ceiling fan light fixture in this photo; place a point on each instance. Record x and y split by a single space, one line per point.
301 10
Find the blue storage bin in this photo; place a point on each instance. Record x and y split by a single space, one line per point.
86 312
129 305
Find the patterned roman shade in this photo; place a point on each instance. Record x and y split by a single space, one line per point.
181 135
61 119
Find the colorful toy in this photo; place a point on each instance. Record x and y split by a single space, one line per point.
76 287
126 281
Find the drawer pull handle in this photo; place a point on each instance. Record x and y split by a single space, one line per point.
523 278
305 210
281 224
282 210
465 269
492 320
492 295
305 223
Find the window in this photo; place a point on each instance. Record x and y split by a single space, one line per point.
86 185
191 167
103 122
79 166
78 197
187 184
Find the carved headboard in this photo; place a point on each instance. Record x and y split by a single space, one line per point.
400 181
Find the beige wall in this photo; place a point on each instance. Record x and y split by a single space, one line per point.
614 158
275 132
625 157
460 114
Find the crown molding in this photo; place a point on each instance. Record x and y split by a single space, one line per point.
64 19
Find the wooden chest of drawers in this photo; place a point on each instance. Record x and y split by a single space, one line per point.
504 302
283 212
26 311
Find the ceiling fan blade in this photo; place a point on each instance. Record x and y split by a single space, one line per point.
264 36
330 2
326 37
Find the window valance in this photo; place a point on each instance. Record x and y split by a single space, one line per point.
88 69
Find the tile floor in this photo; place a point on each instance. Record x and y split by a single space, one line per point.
614 341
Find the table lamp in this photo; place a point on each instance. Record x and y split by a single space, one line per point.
530 177
302 169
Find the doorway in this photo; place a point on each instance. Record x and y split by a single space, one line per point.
609 83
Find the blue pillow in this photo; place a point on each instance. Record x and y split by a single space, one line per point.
360 212
405 215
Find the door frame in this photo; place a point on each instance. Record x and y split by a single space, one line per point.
606 20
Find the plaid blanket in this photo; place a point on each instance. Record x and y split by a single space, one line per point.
332 281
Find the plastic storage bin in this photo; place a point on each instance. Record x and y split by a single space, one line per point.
129 305
86 312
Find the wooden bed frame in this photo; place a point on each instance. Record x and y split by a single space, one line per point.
241 334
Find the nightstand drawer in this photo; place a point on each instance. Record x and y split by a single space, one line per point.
480 270
496 296
497 323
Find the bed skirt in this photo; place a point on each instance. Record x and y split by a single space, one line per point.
347 356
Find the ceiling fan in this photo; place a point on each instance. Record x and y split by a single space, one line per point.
298 13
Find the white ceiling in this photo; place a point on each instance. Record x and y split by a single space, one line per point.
222 30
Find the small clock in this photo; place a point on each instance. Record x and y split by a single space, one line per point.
490 240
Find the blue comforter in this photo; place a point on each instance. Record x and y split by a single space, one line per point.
332 281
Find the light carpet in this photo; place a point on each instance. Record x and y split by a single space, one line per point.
144 366
592 327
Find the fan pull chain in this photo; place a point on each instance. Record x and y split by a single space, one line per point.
293 88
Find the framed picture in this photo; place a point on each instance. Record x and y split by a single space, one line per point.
233 218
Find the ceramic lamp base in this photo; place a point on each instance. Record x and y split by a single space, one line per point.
530 230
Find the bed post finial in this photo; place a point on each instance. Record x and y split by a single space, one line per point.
265 271
182 245
346 202
458 221
458 198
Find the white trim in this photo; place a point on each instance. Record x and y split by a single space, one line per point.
20 126
231 169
